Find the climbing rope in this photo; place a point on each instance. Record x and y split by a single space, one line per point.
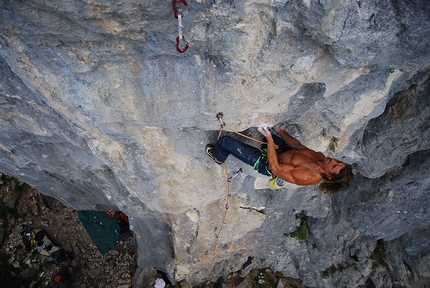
178 12
219 116
222 223
222 127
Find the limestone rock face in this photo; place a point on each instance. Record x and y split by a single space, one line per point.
99 110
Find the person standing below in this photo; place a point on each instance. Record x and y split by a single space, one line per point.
292 161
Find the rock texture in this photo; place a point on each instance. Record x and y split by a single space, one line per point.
25 209
99 110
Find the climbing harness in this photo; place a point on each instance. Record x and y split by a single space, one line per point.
179 15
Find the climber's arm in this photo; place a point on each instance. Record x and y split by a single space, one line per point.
292 142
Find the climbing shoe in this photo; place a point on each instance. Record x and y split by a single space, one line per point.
208 150
277 183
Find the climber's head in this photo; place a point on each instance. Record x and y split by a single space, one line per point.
332 167
338 176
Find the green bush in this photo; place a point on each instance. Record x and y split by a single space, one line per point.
302 231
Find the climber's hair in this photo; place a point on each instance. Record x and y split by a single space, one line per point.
338 182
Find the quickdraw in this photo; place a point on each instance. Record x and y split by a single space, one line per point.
179 15
235 174
175 9
219 116
178 40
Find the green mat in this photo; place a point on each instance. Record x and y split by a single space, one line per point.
104 231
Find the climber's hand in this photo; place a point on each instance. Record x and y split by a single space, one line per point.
280 127
266 133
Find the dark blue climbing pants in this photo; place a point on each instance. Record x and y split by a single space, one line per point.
246 153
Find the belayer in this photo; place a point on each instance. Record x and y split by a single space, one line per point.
291 162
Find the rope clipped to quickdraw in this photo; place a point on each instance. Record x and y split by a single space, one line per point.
219 116
178 12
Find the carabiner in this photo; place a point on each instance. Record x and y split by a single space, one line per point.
219 116
174 6
235 174
177 44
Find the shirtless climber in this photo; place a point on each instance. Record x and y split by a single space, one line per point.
292 161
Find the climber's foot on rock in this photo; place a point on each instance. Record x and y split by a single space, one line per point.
208 150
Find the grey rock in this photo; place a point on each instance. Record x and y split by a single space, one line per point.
16 264
67 247
74 263
244 284
76 250
99 111
145 277
93 273
27 273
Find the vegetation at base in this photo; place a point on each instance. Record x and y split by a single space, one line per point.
326 274
7 212
355 258
261 278
17 186
378 257
368 284
4 212
330 271
302 231
378 254
333 269
11 275
218 283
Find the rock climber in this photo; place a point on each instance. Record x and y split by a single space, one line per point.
291 162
